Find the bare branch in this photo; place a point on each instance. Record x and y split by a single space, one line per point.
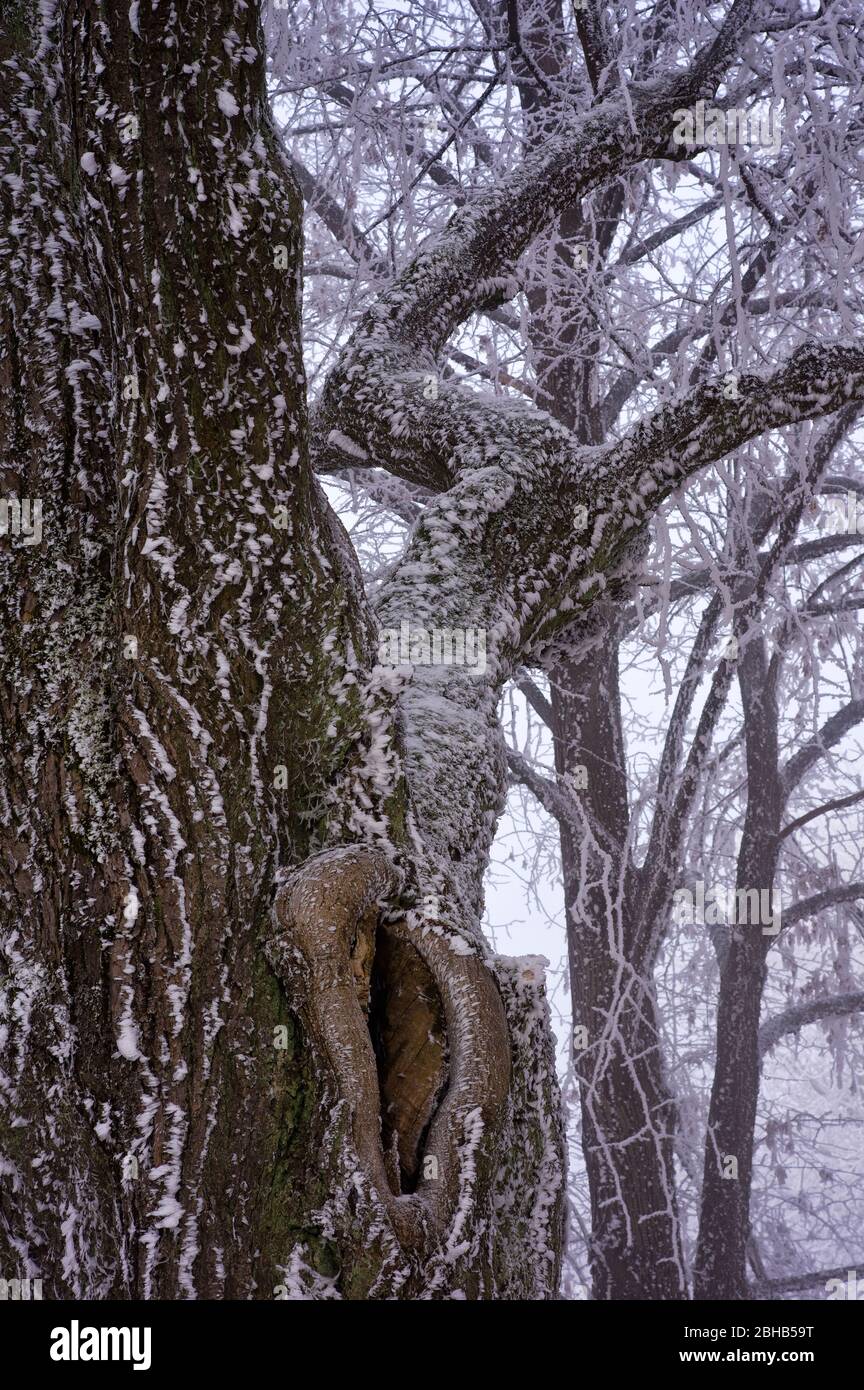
536 699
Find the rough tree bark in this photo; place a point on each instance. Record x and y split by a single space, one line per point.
191 708
241 859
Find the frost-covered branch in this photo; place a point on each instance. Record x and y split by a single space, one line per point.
808 907
812 1011
833 730
838 804
337 220
548 793
798 1282
473 264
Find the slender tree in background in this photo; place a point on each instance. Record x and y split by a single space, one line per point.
241 854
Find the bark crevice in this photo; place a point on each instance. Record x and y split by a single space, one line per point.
409 1037
406 1129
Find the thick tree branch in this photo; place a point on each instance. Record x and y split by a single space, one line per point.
798 1282
836 805
473 264
808 907
548 793
791 1020
832 732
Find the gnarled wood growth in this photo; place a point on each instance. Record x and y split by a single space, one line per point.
469 1220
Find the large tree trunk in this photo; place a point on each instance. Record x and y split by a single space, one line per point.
193 726
241 859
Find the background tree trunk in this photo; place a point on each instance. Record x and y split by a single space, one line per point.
628 1115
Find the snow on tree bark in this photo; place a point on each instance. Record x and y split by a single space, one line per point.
241 856
192 705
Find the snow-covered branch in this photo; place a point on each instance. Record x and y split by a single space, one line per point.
791 1020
